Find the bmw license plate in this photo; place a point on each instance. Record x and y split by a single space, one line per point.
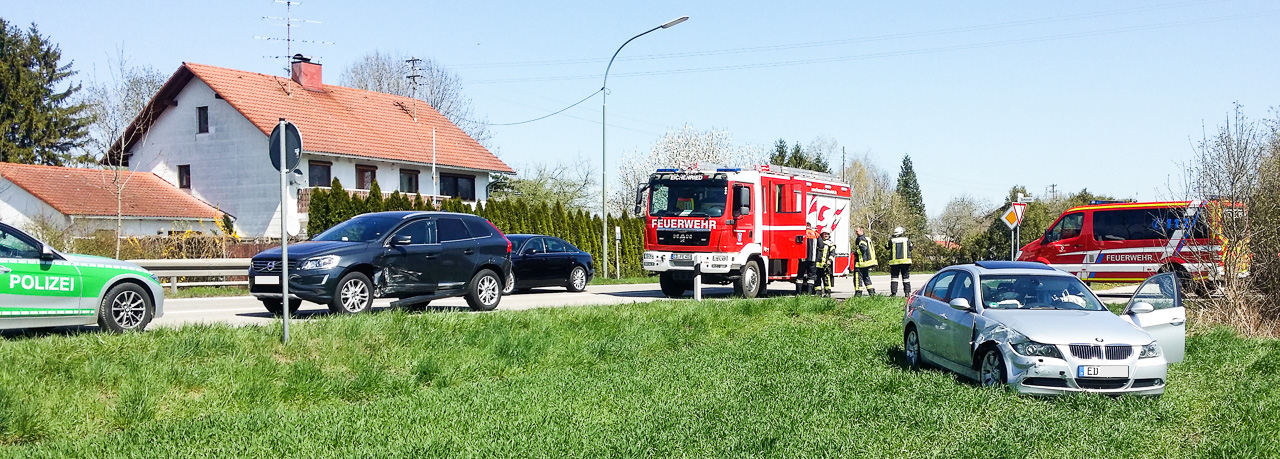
1102 371
266 280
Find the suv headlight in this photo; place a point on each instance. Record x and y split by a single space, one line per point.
325 262
1034 349
1150 351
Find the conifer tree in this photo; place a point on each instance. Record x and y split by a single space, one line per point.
318 214
909 191
39 123
339 203
373 202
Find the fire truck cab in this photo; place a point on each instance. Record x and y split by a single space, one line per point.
744 226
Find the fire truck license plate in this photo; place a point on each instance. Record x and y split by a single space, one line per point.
682 256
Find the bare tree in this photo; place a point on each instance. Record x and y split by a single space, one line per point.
115 102
962 218
875 204
442 89
569 184
676 148
1237 168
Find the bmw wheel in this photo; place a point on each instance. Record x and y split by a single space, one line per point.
578 279
484 291
991 369
352 295
911 347
126 307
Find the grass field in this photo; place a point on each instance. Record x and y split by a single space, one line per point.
625 280
778 377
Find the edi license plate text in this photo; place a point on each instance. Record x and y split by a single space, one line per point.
266 280
1102 371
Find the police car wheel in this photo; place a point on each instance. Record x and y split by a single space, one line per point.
273 306
126 307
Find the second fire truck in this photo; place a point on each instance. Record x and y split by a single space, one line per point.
744 226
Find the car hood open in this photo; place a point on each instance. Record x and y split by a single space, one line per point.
1067 327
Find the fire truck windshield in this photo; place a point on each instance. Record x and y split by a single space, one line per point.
692 198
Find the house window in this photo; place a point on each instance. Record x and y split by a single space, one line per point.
458 186
365 175
408 181
184 176
203 114
318 173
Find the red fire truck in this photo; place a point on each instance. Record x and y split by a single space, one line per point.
743 226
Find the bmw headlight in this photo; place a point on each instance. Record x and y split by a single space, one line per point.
1150 351
325 262
1034 349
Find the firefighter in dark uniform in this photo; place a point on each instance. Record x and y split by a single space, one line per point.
806 274
866 260
825 264
900 263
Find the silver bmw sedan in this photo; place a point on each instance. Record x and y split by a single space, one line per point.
1042 331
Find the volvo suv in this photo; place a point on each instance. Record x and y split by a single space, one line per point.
414 256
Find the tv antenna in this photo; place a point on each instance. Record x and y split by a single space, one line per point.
288 39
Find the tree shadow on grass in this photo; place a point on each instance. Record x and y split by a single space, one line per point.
32 333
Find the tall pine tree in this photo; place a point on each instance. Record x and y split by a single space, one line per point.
909 192
39 123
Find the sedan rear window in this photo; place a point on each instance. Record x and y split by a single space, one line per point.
1029 291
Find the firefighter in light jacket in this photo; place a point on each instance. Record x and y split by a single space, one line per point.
866 260
900 262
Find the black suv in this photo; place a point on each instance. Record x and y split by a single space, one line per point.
415 256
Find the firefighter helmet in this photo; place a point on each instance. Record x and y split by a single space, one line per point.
899 231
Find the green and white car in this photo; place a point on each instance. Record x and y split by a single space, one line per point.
40 287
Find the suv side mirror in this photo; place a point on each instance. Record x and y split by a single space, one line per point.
401 239
960 304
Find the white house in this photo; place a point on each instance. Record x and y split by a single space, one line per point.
206 132
86 200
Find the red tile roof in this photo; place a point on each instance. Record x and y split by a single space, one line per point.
338 120
91 192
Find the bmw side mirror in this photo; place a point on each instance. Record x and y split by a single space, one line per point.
46 252
402 239
1141 307
960 304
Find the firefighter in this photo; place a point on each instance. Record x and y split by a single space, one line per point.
825 264
900 263
866 259
806 273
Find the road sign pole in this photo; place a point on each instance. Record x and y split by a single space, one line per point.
284 235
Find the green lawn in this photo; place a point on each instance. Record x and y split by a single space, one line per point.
779 377
206 292
626 280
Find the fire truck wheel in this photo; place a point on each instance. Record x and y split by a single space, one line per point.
748 284
671 287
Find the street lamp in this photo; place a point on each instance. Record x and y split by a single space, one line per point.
604 196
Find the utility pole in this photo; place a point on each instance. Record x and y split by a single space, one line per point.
842 164
413 83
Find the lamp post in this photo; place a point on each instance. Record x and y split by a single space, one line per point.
604 196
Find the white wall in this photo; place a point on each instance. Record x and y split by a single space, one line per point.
229 165
18 207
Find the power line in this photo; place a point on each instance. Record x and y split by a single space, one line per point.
873 38
557 112
910 52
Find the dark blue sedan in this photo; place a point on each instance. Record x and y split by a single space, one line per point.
547 261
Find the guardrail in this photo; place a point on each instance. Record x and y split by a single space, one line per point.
171 270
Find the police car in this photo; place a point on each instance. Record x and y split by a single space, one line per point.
41 287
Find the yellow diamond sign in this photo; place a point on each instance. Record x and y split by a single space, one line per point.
1013 216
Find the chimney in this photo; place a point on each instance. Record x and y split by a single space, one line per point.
307 73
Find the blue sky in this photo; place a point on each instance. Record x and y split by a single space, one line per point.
1102 95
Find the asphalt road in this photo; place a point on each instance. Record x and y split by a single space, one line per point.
247 310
